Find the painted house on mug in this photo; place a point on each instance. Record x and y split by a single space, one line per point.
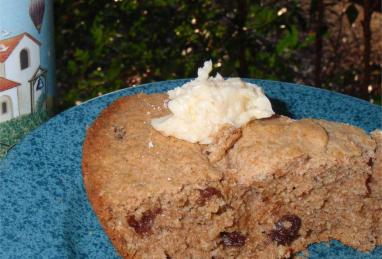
22 80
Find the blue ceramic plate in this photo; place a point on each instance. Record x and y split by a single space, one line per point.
44 211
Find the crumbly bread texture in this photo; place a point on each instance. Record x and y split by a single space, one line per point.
266 190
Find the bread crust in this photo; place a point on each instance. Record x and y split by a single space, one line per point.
160 197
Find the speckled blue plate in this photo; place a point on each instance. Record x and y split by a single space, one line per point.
44 211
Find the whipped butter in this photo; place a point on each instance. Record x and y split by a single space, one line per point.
202 106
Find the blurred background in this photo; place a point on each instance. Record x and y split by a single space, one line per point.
105 45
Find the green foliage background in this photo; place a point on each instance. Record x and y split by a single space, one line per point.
105 45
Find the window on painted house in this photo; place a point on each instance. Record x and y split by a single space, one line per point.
24 59
4 108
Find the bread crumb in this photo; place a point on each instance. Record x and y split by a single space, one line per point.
165 103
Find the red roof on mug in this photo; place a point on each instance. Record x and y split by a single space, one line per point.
10 44
6 84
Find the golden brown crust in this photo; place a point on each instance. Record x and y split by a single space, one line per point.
223 141
375 184
92 184
160 197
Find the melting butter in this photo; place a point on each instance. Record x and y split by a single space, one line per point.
202 106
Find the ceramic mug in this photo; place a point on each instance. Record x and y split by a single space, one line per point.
27 69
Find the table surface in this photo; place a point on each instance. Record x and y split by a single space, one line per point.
44 209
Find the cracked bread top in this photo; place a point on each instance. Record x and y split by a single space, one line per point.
125 159
268 145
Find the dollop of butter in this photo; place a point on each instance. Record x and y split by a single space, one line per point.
202 106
